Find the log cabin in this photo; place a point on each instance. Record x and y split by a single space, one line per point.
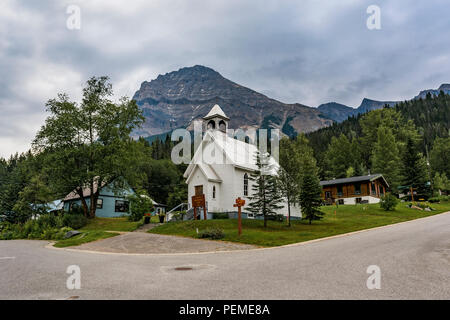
361 189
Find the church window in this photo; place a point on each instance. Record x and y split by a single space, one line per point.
245 184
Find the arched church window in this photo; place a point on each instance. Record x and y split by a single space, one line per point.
214 192
211 125
245 184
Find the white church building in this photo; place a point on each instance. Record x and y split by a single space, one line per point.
221 168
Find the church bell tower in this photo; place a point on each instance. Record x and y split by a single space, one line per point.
216 120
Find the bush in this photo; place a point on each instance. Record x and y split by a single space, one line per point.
178 215
388 202
277 217
220 215
439 199
214 233
140 204
74 221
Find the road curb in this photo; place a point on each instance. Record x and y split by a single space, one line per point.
50 245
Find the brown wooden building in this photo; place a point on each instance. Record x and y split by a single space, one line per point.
361 189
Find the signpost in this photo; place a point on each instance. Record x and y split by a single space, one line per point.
239 203
199 201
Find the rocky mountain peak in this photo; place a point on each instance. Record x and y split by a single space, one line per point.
175 99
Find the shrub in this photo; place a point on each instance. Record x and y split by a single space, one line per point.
388 202
439 199
74 221
220 215
178 215
140 204
213 233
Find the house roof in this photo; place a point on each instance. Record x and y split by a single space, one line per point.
216 111
86 192
370 177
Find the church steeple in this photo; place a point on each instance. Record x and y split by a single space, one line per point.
216 119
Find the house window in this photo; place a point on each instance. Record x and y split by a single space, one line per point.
357 188
99 203
339 191
121 206
74 206
374 190
381 191
214 192
245 184
327 195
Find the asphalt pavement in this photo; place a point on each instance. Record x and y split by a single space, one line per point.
413 259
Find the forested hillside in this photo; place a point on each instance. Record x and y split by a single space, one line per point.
383 141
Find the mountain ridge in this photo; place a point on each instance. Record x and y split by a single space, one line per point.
175 99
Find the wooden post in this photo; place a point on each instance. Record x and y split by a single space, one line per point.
239 203
412 193
195 213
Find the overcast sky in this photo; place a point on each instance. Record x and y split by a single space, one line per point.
309 52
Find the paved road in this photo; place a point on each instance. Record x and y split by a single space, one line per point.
414 259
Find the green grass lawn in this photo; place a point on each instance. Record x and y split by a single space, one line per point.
348 218
86 236
97 229
111 224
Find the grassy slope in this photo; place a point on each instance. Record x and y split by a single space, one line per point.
85 237
97 229
347 219
112 224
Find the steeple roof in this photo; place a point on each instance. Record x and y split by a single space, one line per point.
216 111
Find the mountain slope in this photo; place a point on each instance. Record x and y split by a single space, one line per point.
336 111
175 99
445 87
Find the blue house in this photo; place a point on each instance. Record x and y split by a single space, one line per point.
112 202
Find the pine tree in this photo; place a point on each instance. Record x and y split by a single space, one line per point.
385 157
266 195
339 157
414 170
310 197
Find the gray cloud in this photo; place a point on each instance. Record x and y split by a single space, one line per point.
309 51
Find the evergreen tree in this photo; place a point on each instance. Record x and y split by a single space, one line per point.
266 196
310 197
440 156
339 157
385 157
440 183
414 170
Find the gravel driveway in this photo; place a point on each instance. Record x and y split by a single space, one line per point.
140 242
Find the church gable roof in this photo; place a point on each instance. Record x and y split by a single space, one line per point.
237 153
